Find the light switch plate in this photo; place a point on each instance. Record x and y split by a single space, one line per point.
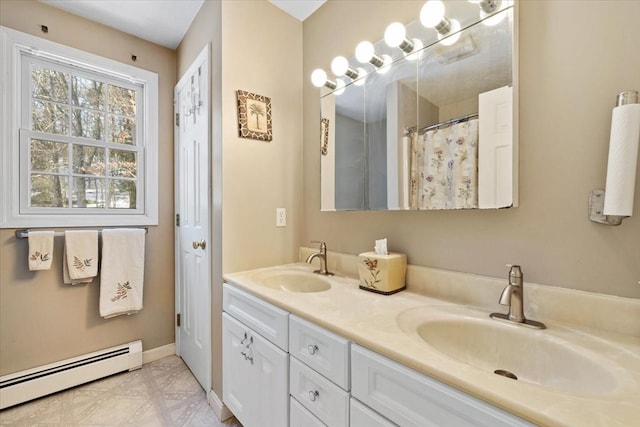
281 217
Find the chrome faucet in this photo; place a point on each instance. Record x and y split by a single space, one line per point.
322 256
513 297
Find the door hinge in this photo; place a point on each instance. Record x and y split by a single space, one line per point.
177 220
178 319
177 119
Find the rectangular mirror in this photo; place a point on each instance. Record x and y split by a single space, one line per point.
435 129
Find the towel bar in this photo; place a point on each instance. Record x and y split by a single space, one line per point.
24 233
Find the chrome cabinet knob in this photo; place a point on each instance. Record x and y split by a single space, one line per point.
313 395
312 349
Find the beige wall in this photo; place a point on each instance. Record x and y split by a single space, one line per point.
257 48
41 319
575 57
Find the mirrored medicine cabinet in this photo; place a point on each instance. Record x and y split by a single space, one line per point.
432 129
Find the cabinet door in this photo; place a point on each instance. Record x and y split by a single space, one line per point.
255 377
237 371
270 383
410 398
361 416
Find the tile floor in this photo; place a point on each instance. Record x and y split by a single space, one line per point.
162 393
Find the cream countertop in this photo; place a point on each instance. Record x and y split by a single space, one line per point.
371 320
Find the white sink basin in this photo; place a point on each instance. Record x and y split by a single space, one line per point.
548 358
293 281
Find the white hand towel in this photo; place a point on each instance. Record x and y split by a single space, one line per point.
40 250
122 274
81 247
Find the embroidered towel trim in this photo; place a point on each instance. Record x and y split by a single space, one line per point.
65 272
81 247
40 250
122 271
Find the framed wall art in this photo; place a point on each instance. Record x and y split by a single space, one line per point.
254 116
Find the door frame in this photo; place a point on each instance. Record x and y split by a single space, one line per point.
203 59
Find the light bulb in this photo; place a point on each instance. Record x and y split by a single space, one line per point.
364 52
432 13
318 77
339 65
447 39
395 34
362 77
416 53
339 87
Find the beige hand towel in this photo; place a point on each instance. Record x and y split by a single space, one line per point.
81 248
40 250
122 271
65 272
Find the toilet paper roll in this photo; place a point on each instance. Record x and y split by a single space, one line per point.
623 159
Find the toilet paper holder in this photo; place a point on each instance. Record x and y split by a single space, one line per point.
597 196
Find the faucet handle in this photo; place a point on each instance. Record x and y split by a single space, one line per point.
322 244
514 270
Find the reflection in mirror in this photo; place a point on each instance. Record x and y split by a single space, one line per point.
431 131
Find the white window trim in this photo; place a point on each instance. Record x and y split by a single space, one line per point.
13 44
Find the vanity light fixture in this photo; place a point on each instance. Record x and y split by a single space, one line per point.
365 53
340 67
319 79
432 16
396 36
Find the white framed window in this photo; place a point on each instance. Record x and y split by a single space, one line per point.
79 137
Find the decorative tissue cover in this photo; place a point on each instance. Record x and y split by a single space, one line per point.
383 274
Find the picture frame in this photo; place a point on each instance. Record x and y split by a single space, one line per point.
324 136
254 116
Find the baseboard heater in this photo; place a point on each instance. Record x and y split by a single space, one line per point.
33 383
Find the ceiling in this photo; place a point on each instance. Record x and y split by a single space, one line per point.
163 22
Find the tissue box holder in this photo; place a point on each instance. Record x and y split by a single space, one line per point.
382 274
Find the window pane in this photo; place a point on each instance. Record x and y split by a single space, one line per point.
49 156
122 130
122 194
49 191
122 101
50 118
87 93
88 124
50 85
122 163
88 193
88 160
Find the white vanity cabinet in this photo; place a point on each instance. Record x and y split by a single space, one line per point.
255 360
410 398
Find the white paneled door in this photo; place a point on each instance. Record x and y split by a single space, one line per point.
192 205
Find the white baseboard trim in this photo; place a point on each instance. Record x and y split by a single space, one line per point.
157 353
222 412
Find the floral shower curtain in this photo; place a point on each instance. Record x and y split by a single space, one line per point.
444 168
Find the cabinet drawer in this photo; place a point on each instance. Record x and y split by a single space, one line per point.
300 417
267 320
320 396
410 398
324 351
362 416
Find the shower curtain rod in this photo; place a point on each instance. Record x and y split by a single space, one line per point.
23 234
455 120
